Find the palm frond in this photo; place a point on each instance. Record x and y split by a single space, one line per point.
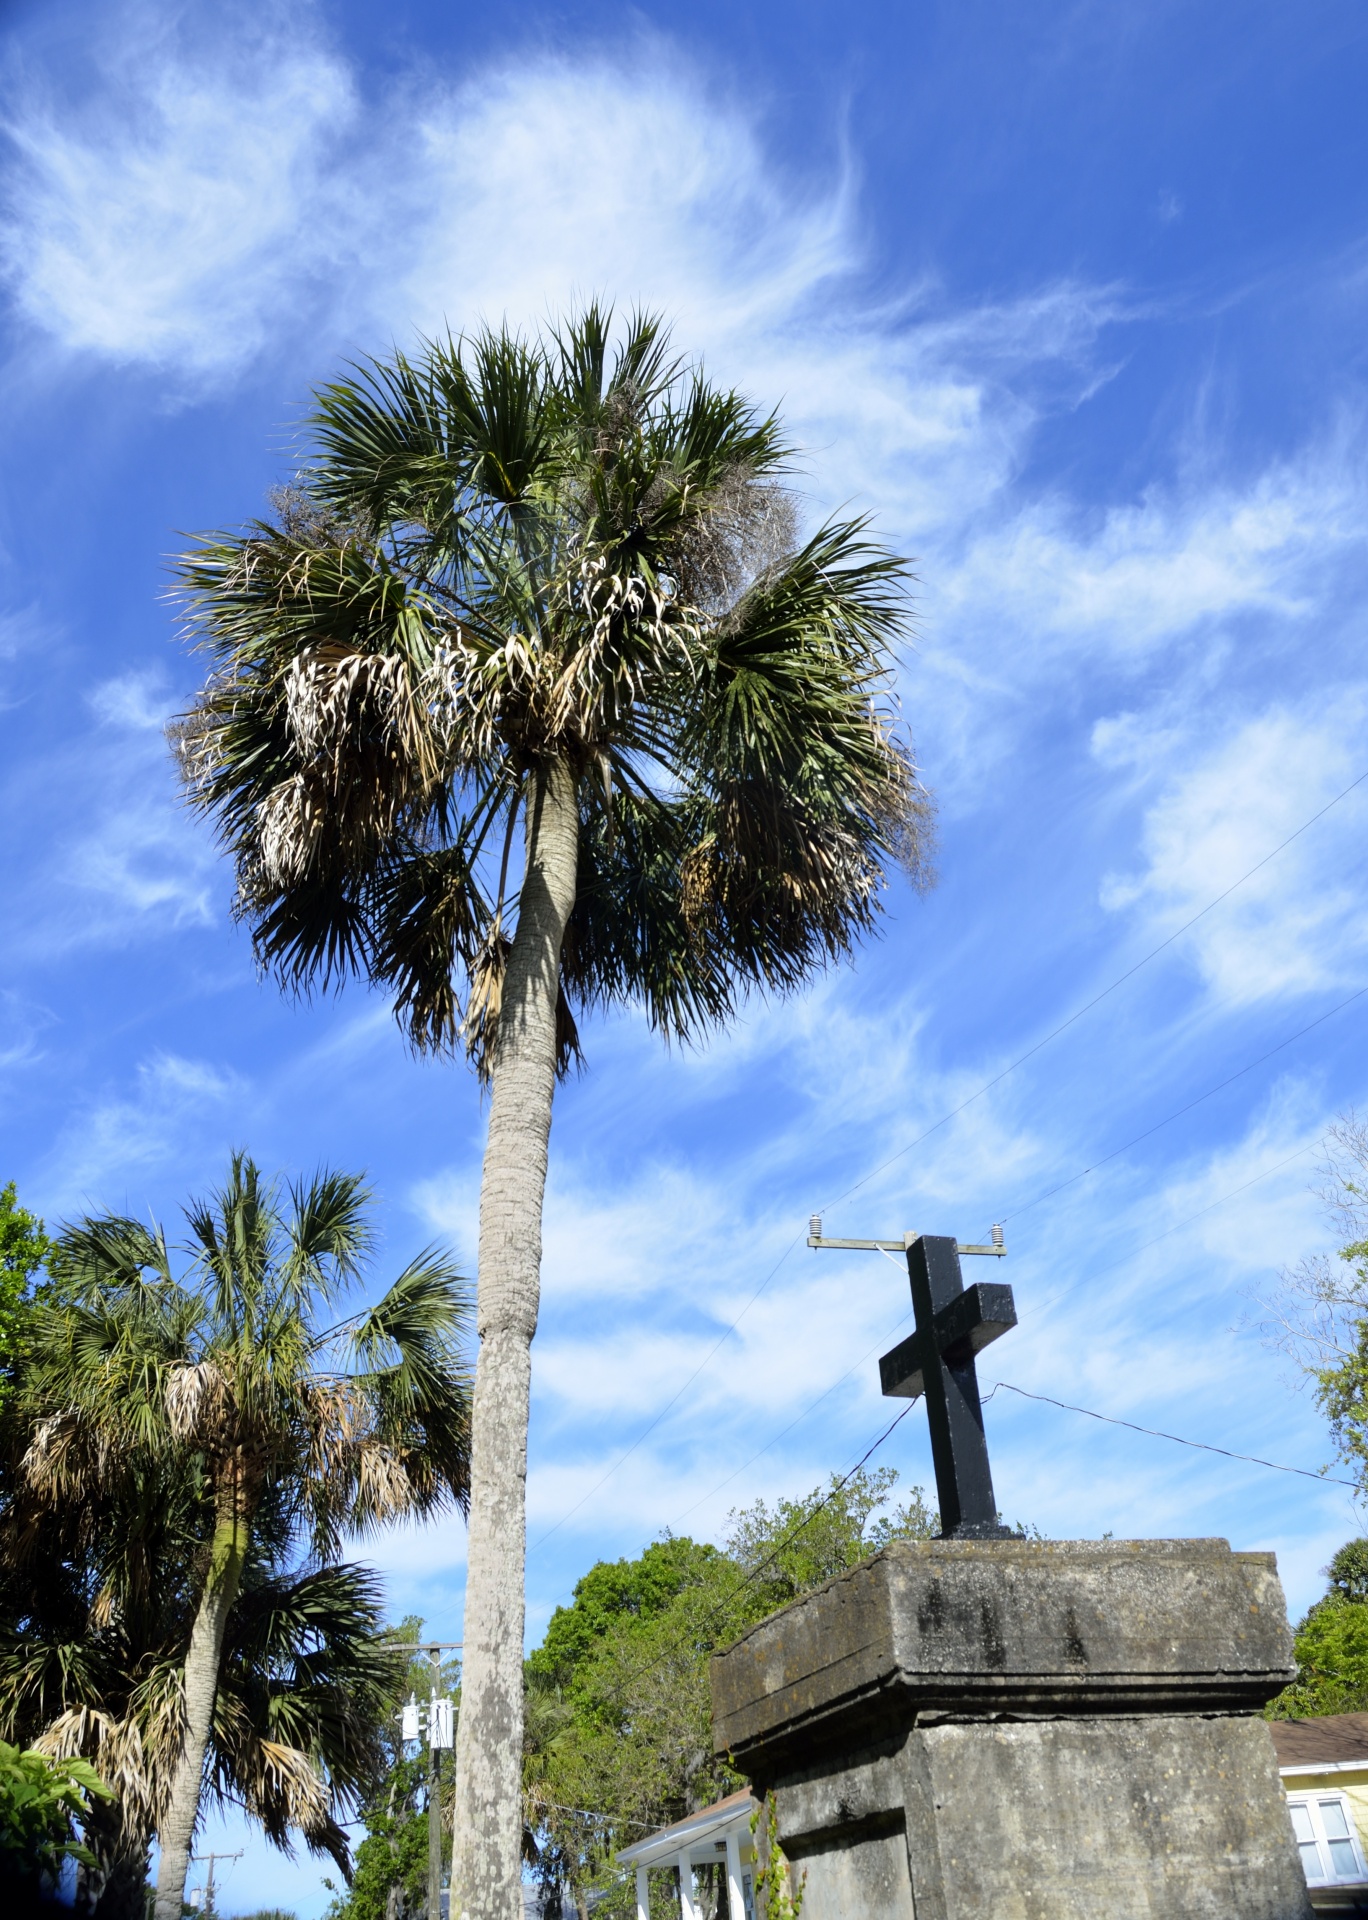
573 549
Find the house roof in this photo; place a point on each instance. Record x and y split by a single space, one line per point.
1333 1740
699 1829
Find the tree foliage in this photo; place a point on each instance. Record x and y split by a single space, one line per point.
505 552
42 1801
619 1730
1332 1644
23 1249
147 1401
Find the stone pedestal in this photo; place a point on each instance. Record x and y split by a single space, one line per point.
1023 1730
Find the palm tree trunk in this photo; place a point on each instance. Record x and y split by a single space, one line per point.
487 1850
202 1662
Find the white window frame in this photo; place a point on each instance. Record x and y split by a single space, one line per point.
1310 1798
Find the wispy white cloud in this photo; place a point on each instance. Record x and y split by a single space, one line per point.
111 1140
216 200
129 862
166 218
1300 924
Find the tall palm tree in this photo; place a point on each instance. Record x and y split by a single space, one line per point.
555 582
298 1427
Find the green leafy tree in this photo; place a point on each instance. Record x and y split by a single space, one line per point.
619 1716
1332 1644
1319 1314
294 1426
393 1857
555 584
23 1249
796 1545
42 1801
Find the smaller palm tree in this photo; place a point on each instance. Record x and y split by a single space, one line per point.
300 1427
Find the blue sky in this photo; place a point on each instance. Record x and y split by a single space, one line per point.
1071 298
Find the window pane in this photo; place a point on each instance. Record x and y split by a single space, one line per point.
1342 1861
1311 1861
1301 1821
1336 1826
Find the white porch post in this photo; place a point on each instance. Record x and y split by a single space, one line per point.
687 1909
736 1902
643 1894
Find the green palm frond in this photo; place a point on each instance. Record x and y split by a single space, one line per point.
504 551
330 1234
109 1252
305 1673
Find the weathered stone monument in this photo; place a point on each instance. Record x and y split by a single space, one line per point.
1009 1729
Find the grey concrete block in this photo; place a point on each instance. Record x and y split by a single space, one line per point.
1018 1729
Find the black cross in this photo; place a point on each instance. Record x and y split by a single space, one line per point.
954 1322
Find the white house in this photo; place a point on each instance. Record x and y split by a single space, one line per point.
719 1834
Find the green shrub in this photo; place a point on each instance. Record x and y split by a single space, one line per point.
40 1800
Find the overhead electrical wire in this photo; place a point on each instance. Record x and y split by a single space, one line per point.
1096 1000
1178 1112
1093 1274
1154 1433
944 1120
1015 1213
719 1612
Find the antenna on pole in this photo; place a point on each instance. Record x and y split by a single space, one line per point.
997 1250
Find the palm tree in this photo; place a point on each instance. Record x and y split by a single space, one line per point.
97 1600
553 582
296 1427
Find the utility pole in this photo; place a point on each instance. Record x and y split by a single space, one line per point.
439 1736
207 1910
434 1806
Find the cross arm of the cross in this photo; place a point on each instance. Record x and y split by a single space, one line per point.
961 1329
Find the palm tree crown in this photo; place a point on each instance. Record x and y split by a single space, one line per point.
506 553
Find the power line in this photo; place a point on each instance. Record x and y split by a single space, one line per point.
954 1112
1096 1273
720 1610
1097 999
1178 1112
1154 1433
812 1406
1093 1275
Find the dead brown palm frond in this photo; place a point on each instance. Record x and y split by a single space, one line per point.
750 527
484 1002
197 1399
57 1458
384 1484
115 1748
339 1417
368 735
290 1779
